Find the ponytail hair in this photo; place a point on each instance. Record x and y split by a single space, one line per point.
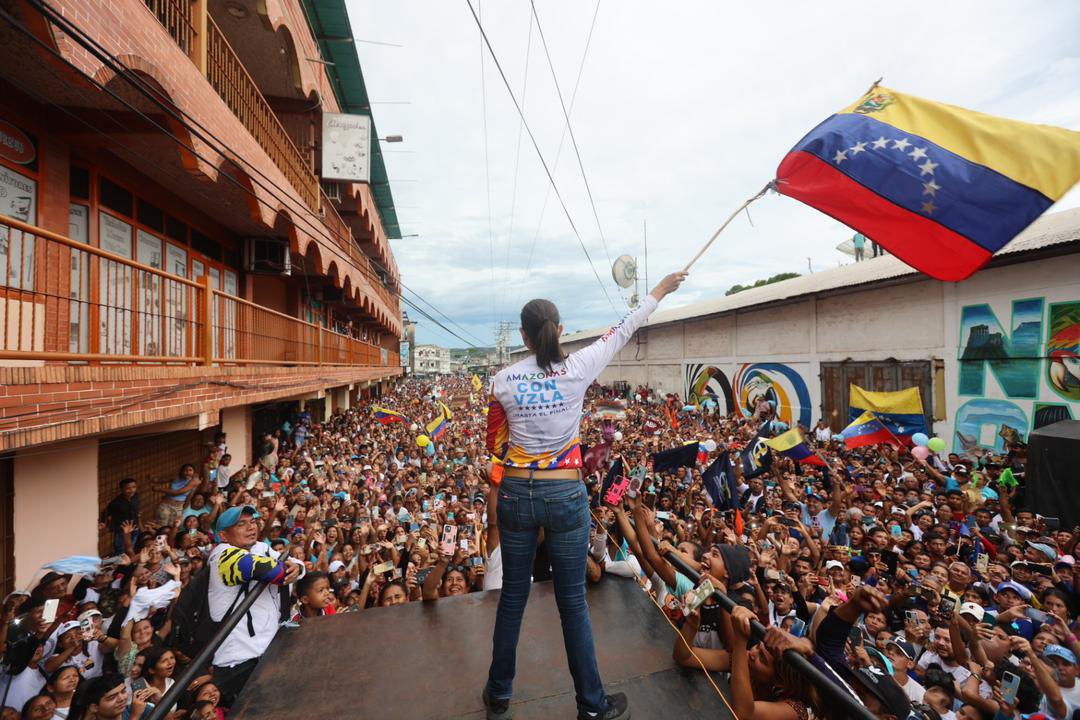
540 322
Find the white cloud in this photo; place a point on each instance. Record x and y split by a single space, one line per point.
684 110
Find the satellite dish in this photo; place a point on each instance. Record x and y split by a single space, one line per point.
624 271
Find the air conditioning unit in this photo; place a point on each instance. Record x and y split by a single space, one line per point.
267 256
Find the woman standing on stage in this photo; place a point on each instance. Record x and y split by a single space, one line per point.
533 416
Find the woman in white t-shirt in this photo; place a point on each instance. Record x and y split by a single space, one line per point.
533 434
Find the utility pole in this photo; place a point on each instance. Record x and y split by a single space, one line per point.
502 342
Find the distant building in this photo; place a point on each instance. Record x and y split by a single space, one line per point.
432 360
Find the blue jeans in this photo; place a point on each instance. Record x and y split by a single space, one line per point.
561 507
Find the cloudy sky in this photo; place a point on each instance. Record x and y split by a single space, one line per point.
684 109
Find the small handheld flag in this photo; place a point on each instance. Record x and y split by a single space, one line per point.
941 187
756 457
791 444
437 427
719 479
477 385
867 430
682 456
385 417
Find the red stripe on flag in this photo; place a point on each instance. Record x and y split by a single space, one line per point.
917 240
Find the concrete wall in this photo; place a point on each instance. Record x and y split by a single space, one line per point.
56 505
236 424
1029 313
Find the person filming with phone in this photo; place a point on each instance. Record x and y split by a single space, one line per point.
534 414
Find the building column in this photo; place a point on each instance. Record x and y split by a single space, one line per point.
236 424
56 505
340 398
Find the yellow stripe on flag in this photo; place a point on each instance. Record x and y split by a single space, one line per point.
900 402
785 441
1042 157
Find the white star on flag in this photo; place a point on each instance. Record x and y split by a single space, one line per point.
929 207
917 154
901 144
858 148
931 188
881 143
928 167
841 156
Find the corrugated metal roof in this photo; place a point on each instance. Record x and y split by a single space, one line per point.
1047 231
329 21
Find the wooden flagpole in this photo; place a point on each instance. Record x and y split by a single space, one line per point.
728 222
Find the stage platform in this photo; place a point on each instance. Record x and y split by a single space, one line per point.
425 661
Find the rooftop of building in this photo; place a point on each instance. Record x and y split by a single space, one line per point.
1050 230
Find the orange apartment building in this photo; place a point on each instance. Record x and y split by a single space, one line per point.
172 263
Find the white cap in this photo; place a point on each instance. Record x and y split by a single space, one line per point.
336 565
973 609
67 626
832 564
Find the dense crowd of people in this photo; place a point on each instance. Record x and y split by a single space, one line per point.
920 586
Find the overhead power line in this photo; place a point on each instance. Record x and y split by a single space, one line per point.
543 162
429 316
562 139
569 127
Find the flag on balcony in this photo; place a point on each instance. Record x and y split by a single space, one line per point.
385 417
941 187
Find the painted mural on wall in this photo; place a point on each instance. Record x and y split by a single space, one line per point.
1017 372
775 382
1063 350
707 381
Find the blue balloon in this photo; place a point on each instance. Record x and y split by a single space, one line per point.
920 439
429 449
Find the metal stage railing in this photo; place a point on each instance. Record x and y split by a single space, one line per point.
200 661
834 692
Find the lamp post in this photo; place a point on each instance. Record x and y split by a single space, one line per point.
410 336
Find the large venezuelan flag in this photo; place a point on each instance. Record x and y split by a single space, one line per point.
385 417
941 187
867 430
900 411
792 445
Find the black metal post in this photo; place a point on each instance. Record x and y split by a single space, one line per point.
200 661
852 706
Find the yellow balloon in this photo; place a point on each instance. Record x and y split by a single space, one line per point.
423 440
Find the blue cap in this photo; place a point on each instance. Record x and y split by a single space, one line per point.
1060 652
232 516
905 648
1015 587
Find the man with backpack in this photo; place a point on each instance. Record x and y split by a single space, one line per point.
239 560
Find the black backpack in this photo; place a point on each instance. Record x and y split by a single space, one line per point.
193 628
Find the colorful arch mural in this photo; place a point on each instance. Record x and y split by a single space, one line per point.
703 381
775 382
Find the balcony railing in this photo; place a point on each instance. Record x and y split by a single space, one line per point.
190 25
230 79
65 301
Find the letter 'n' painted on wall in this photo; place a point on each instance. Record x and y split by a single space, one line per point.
1014 354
